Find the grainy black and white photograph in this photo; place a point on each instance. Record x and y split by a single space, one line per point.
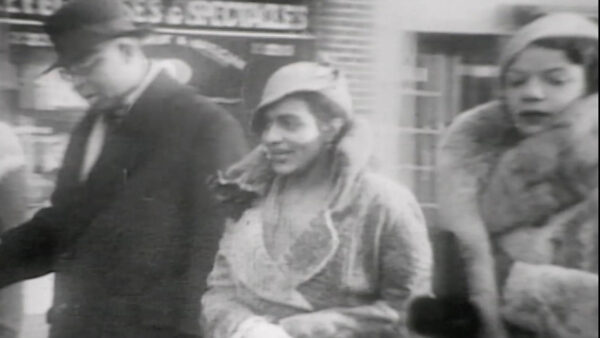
299 169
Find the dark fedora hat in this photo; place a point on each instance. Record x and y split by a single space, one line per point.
81 25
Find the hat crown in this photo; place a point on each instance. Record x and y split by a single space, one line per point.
307 77
77 14
79 26
556 25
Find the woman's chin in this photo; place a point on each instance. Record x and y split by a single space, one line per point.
283 169
528 129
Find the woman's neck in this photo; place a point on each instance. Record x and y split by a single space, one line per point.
316 175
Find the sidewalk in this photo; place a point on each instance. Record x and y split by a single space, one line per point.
38 297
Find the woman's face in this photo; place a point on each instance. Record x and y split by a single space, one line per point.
539 85
292 136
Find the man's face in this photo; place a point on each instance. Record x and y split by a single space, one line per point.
103 76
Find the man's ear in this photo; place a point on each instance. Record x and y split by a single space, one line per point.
128 47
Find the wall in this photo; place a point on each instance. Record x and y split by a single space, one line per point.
361 38
472 16
345 31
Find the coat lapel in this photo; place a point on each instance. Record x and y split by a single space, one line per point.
125 145
68 177
278 278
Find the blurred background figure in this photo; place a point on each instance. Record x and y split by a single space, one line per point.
326 248
12 213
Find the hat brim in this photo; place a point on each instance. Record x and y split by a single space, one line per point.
140 32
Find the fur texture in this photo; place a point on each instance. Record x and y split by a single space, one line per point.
522 194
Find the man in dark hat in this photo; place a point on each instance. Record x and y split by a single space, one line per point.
132 229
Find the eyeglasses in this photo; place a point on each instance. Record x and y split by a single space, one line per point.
81 69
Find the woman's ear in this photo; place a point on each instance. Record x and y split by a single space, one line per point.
333 128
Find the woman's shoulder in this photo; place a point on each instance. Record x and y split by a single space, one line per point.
389 195
483 123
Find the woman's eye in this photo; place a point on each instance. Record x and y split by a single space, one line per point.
556 80
266 126
290 123
515 81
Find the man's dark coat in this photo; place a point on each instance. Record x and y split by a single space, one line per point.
136 240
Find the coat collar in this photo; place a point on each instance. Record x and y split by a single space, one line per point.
146 113
121 152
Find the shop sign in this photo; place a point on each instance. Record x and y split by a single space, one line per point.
191 13
34 7
212 50
29 39
203 46
273 49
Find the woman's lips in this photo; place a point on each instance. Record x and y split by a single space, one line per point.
279 155
533 116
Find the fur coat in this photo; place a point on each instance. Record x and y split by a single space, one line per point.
536 200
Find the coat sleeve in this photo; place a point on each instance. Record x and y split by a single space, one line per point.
217 143
29 250
222 310
24 249
405 267
218 146
460 164
552 301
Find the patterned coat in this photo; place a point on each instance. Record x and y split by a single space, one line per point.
353 270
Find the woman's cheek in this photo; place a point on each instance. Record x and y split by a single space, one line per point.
304 135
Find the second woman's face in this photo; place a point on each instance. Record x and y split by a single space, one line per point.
292 136
539 85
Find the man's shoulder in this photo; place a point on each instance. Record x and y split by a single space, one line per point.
175 106
188 104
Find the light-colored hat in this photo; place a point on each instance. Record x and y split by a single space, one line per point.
558 25
305 77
